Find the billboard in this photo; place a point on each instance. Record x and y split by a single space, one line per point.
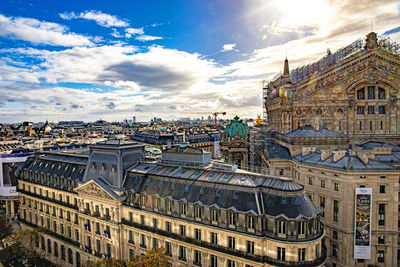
362 223
10 166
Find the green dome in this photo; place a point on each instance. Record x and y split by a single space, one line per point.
236 126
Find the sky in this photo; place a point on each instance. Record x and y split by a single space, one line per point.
86 60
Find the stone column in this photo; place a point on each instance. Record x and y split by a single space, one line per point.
12 202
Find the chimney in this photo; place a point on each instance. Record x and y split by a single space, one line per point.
326 153
338 155
305 150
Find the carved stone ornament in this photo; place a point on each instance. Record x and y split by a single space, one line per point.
94 190
393 98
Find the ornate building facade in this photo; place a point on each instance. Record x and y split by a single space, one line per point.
334 128
110 204
353 91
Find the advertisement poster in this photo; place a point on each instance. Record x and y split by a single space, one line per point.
362 223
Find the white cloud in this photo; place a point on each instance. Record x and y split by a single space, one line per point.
145 38
228 47
116 34
102 19
39 32
135 30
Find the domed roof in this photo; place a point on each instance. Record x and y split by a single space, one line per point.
236 126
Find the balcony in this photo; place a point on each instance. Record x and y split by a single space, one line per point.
234 252
48 199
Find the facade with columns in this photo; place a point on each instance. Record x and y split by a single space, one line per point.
353 91
111 204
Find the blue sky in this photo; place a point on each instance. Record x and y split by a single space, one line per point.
70 60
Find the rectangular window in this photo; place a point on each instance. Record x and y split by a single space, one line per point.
197 212
197 257
214 238
98 246
182 230
381 256
322 205
281 254
131 254
381 214
371 110
336 210
130 217
168 227
231 263
281 227
143 241
250 247
301 252
381 239
76 235
69 231
310 180
130 240
360 110
232 218
108 248
155 242
323 183
168 250
182 253
381 109
97 228
213 261
155 222
250 222
183 209
231 242
142 219
382 189
360 125
197 234
336 186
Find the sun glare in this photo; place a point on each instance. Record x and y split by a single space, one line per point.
296 13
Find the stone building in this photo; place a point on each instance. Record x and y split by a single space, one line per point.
234 143
111 204
353 91
339 120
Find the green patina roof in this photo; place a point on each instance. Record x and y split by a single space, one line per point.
236 126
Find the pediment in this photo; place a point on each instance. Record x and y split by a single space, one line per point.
93 189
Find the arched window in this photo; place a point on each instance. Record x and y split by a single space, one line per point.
70 257
55 249
381 93
78 259
63 252
360 94
48 245
43 243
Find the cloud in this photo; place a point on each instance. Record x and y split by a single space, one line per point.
110 105
102 19
133 31
39 32
145 38
116 34
228 47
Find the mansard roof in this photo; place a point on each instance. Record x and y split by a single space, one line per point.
238 191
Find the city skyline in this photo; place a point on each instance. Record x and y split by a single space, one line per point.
80 61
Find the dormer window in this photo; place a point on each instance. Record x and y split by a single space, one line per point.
281 227
197 212
232 218
214 215
250 222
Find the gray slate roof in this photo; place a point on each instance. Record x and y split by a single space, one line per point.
309 131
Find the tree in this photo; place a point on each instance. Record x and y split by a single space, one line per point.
154 258
27 243
5 231
111 262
